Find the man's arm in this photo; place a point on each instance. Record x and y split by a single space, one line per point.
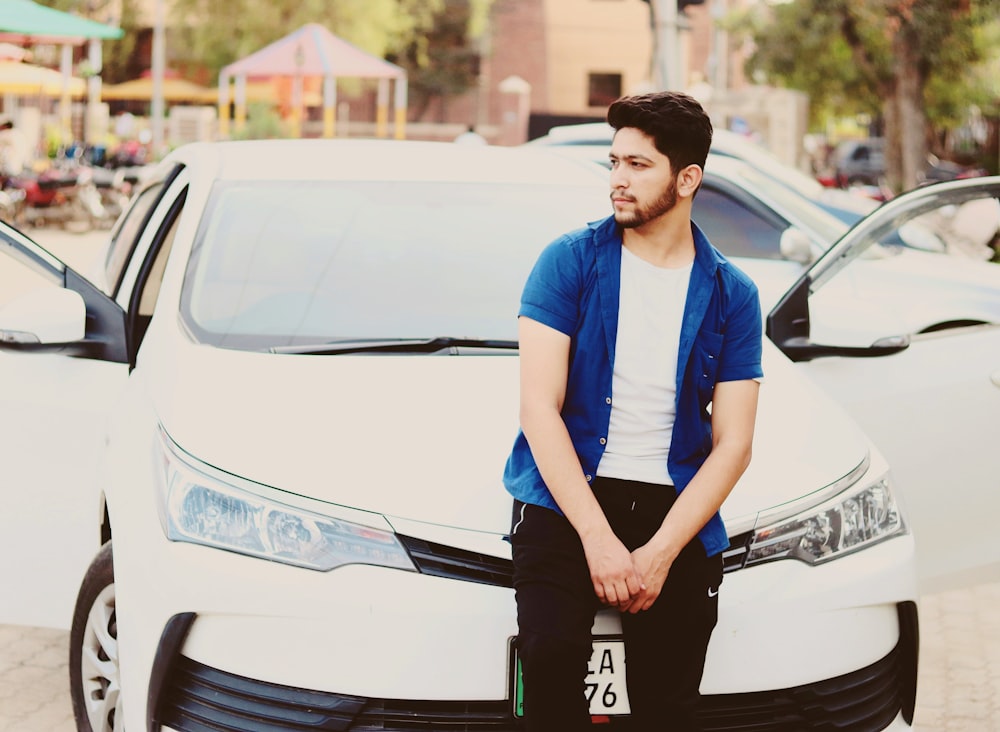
734 412
544 357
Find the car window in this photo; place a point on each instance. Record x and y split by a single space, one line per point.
286 263
127 234
151 286
735 230
24 267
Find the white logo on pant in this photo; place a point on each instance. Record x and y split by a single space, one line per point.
712 592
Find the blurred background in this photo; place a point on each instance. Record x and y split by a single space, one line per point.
879 93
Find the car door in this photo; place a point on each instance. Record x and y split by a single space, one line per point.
53 409
57 389
930 401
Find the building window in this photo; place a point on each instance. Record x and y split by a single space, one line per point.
603 89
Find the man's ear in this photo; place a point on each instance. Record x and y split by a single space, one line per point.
689 179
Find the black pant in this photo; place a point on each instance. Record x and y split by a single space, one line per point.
665 645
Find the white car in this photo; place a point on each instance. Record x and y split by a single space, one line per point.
256 467
773 234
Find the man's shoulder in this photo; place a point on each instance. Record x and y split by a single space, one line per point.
730 274
734 275
583 241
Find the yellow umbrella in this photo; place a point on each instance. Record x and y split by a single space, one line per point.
17 77
174 90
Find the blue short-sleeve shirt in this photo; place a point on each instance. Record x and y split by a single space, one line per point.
574 288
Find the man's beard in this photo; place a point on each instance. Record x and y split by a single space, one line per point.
642 215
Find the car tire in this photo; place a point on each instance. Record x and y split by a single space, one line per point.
93 649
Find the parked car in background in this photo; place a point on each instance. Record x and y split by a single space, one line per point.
774 234
859 162
862 163
263 447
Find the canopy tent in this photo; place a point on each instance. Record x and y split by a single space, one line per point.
174 90
23 79
24 20
314 52
178 90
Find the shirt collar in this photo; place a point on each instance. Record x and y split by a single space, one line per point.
708 258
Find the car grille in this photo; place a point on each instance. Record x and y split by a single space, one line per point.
440 560
448 561
198 698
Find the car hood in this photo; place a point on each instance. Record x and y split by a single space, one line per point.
425 438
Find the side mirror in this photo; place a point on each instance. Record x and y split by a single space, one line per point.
41 318
802 349
796 246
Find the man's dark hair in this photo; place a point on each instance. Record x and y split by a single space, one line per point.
678 124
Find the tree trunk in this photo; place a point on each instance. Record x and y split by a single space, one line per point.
893 141
912 120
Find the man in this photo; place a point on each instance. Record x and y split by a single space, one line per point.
640 349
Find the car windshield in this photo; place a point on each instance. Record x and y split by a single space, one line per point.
277 265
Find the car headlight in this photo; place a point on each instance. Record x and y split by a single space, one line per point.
853 520
204 506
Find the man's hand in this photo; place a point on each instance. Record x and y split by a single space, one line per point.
616 580
654 566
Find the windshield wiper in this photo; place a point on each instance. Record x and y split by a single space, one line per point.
393 345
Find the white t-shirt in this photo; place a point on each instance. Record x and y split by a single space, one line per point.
643 387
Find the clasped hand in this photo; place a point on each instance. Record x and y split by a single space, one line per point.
630 582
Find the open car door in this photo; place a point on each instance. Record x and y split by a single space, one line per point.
927 395
63 360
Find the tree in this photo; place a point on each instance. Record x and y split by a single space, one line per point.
885 57
445 62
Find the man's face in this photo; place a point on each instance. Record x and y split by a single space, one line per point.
643 186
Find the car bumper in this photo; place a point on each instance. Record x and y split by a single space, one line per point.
220 638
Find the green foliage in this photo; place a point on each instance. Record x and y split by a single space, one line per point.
263 123
119 55
446 60
841 52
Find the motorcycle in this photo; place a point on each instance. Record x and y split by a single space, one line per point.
66 196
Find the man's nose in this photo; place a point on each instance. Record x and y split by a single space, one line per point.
618 178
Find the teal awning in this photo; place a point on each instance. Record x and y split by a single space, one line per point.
24 20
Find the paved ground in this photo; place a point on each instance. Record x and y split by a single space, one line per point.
958 687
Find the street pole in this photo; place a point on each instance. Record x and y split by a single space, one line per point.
158 71
666 45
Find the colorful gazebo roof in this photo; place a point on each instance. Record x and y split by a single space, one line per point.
313 50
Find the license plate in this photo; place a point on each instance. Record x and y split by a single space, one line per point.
605 683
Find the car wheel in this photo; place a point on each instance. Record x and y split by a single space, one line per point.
93 650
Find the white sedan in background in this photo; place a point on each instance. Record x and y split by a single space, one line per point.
265 444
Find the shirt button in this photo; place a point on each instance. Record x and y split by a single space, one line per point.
590 478
603 441
607 400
